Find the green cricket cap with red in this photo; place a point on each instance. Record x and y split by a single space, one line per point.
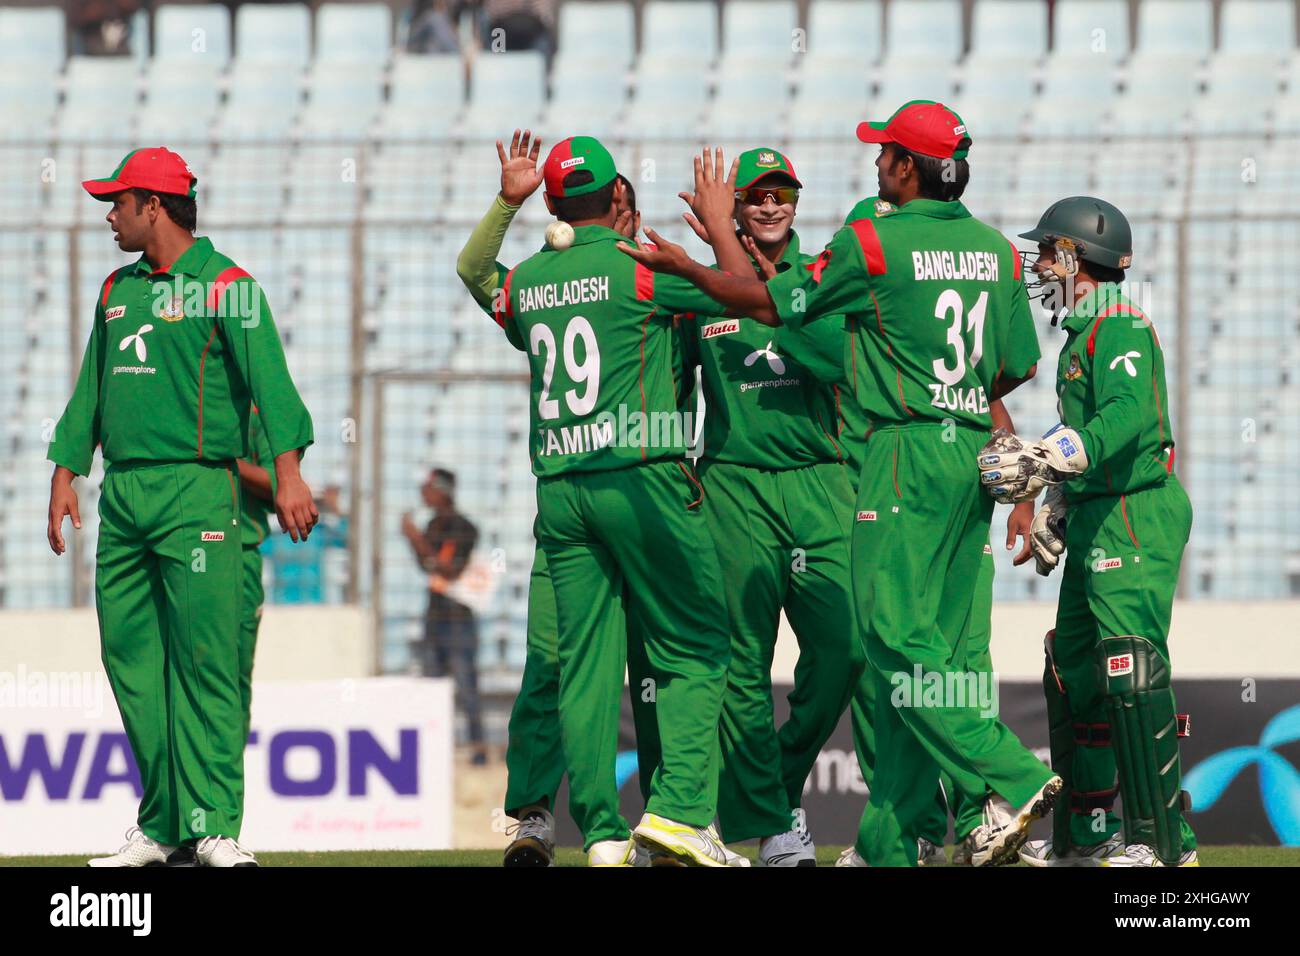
157 169
756 163
922 126
573 155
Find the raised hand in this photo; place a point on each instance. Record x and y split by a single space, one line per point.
520 176
715 191
766 267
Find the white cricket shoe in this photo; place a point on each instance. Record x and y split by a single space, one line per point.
733 858
1005 827
612 853
1040 853
139 850
223 851
785 849
691 845
1140 854
929 854
533 842
801 828
851 857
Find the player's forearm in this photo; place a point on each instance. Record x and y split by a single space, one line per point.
742 294
1005 384
1113 429
1001 417
477 263
256 479
727 250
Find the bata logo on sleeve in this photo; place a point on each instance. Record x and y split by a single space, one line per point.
866 516
719 328
1117 665
1107 564
213 536
116 312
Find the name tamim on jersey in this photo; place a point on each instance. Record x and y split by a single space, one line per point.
558 294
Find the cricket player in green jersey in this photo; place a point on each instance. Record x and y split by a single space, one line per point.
829 349
619 511
1118 512
921 521
779 506
257 482
534 755
181 344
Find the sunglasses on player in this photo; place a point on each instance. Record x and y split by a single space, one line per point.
757 195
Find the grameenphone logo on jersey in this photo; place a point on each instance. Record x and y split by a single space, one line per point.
140 348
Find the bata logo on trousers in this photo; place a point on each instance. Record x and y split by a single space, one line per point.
866 516
1107 564
1119 664
214 536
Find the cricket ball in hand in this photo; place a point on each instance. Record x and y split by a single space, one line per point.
559 235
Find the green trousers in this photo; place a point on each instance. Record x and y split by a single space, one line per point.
638 531
782 539
919 534
534 753
168 593
966 809
250 620
1147 531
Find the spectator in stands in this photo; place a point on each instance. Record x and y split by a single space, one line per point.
298 573
432 27
450 643
524 25
101 27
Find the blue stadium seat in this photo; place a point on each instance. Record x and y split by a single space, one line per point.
33 37
679 29
262 101
846 28
1096 28
1257 27
1175 26
666 98
181 100
758 28
1060 85
1009 28
586 95
505 85
747 88
353 32
27 104
914 78
343 99
426 96
273 33
831 96
97 90
606 27
193 32
923 28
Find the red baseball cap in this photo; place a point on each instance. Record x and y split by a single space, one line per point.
157 169
922 126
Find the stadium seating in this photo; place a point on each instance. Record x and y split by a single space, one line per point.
325 157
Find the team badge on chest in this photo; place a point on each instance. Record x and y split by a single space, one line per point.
172 310
1075 370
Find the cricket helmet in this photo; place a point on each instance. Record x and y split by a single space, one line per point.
1080 228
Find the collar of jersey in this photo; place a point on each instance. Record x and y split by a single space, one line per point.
934 209
190 263
1103 296
585 234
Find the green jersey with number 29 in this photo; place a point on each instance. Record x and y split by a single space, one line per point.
597 328
940 309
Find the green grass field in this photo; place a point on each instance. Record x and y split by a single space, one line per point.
1210 856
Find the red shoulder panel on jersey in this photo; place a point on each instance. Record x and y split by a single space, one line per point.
500 315
1117 309
222 282
108 285
872 252
645 283
1015 260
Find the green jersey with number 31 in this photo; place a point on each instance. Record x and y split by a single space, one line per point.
939 304
597 328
